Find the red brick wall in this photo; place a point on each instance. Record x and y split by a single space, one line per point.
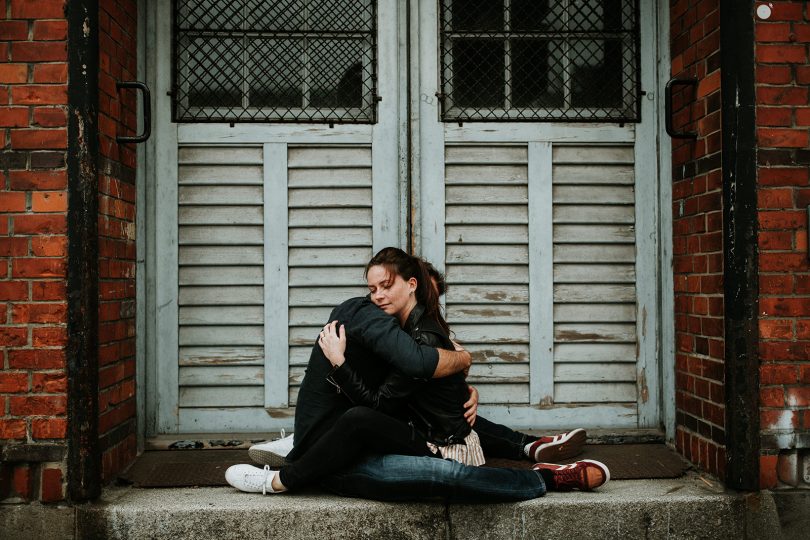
33 137
698 236
783 128
116 227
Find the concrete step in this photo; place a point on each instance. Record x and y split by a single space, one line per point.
689 507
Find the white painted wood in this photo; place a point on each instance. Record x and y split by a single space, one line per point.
590 174
203 156
494 155
220 215
482 254
541 285
330 256
216 335
221 295
220 174
494 214
329 217
594 234
307 316
385 158
218 275
589 416
509 393
431 235
492 234
583 213
324 296
594 352
597 372
593 154
310 237
273 133
223 315
165 374
492 333
316 157
218 195
349 177
576 253
333 197
594 332
494 313
666 307
336 276
486 174
276 268
218 356
486 194
594 293
227 375
595 312
647 211
502 352
580 273
222 235
471 273
593 194
479 294
142 268
501 132
221 396
600 392
221 255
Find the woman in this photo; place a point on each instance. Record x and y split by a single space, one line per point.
429 422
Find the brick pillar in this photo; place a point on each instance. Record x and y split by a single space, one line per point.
783 131
33 137
698 236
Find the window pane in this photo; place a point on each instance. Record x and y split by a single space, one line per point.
278 15
472 15
596 78
340 15
275 73
537 74
213 74
533 15
337 73
478 73
208 14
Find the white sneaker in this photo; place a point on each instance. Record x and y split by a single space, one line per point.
273 453
251 479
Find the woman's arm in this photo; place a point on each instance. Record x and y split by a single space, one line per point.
332 341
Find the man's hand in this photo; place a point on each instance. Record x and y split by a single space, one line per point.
333 343
471 412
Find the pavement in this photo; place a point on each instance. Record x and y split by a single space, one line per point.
692 506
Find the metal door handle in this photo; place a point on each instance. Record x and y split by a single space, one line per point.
691 81
147 112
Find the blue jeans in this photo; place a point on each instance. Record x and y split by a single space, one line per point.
400 478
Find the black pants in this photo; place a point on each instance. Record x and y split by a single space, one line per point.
358 432
500 441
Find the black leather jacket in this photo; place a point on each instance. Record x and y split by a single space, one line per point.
434 407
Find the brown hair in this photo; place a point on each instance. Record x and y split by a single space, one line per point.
399 263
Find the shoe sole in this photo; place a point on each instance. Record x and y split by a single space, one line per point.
561 450
266 457
601 467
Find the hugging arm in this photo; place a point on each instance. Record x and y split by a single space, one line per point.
385 398
381 334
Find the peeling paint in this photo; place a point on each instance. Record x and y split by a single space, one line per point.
644 391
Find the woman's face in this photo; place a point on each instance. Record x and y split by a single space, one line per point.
390 292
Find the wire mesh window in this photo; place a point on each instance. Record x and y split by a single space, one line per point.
279 61
565 60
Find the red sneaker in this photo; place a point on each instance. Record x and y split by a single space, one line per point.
558 447
584 475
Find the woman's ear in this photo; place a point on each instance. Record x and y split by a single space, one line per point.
412 284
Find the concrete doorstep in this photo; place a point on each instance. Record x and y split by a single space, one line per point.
688 507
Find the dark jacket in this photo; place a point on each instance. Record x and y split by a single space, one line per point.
435 407
375 344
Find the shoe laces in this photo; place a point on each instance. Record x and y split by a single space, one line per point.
283 435
264 482
569 475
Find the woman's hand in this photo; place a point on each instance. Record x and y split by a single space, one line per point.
333 343
471 412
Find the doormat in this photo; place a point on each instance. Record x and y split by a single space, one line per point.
188 468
